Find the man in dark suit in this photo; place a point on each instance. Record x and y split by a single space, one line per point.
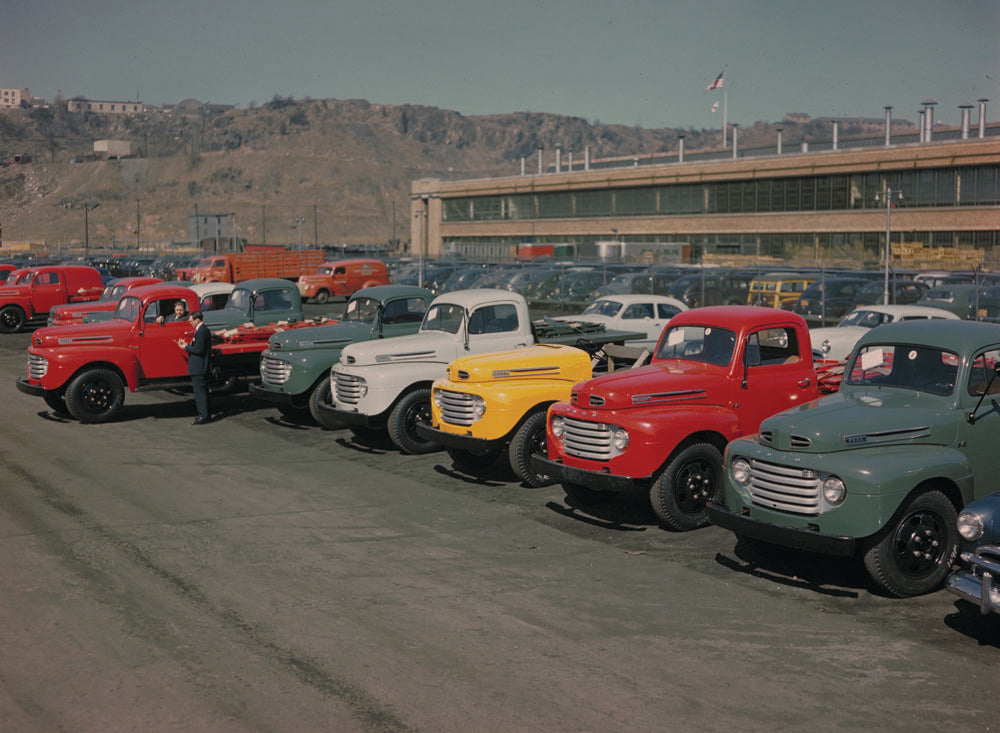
199 358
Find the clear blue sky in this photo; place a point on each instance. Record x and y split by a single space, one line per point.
633 62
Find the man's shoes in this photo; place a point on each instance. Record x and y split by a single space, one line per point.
201 420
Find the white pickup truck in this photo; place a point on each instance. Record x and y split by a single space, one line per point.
385 386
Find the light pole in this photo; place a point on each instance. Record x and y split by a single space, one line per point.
299 221
87 207
888 231
137 223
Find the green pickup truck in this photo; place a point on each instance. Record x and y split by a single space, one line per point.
295 368
880 469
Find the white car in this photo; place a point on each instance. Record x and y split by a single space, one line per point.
836 342
632 312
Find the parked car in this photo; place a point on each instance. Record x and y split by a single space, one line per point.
631 312
779 289
960 299
711 287
649 280
825 301
978 577
836 342
901 292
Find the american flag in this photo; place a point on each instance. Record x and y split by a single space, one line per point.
717 84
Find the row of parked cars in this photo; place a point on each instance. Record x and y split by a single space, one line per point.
880 470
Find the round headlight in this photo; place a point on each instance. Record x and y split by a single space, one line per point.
619 439
362 388
436 396
741 471
834 490
478 406
970 525
558 426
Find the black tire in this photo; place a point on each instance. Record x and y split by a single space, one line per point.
692 478
412 408
222 385
914 554
12 319
95 396
529 439
321 396
56 401
466 460
580 495
322 297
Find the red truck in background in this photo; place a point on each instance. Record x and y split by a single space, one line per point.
234 267
65 315
342 279
37 290
662 428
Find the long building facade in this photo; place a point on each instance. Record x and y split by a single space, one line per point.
826 207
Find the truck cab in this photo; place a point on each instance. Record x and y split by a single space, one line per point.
341 278
661 428
258 302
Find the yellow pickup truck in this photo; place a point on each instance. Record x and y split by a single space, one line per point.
489 404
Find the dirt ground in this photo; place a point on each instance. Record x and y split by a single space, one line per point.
260 574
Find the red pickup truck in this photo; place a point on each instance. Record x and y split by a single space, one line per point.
662 428
39 289
83 370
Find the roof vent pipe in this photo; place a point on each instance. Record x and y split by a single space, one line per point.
920 117
836 135
982 116
736 129
966 109
569 162
779 141
680 148
929 121
888 124
539 160
558 158
522 165
586 157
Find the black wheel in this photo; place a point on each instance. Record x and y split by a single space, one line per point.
12 319
466 460
95 396
56 400
322 297
691 479
321 396
413 408
529 439
580 495
913 556
218 385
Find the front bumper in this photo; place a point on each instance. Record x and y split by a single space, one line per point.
35 390
352 419
978 584
798 539
598 480
266 393
460 442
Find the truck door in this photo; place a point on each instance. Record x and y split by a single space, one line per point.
157 350
777 378
980 434
496 327
48 290
402 316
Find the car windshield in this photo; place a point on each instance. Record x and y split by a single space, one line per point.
921 368
707 344
865 319
607 308
443 317
128 309
361 310
239 300
115 292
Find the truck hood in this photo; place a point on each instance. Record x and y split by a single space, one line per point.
862 419
427 346
328 336
564 363
82 334
663 383
21 291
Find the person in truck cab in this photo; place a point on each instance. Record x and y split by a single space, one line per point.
180 313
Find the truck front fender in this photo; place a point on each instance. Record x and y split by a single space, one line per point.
507 403
66 363
386 383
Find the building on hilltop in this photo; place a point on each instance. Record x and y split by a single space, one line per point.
14 98
820 203
104 107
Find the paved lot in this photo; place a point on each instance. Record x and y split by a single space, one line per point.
256 574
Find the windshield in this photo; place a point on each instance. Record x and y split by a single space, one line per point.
921 368
608 308
107 293
325 271
865 319
706 344
361 310
443 317
24 278
128 309
239 301
115 292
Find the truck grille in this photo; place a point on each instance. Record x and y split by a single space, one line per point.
348 388
591 440
792 490
456 407
38 366
274 371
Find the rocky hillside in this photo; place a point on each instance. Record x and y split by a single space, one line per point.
333 171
